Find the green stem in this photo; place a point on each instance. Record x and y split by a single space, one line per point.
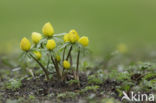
69 52
71 61
64 53
56 67
73 71
43 68
77 66
78 57
48 62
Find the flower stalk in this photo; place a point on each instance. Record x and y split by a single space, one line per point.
64 53
56 67
77 66
69 52
43 68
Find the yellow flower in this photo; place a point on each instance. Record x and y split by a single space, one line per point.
25 44
36 37
109 101
122 48
48 30
73 31
66 38
73 36
58 58
38 54
51 44
66 64
84 41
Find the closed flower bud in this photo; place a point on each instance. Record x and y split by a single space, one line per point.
58 58
25 44
122 48
38 54
73 36
84 41
51 44
36 37
66 64
48 30
66 38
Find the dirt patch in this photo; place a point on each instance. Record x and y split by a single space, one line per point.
41 88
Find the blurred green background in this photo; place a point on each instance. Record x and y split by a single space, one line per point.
106 22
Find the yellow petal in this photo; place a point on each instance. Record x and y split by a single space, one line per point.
84 41
38 54
122 48
66 38
48 30
36 37
25 44
66 64
51 44
73 36
58 58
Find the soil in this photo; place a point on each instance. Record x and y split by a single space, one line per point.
40 88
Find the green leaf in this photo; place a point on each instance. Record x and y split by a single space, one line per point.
61 34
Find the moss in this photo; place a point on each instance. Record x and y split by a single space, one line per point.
67 95
71 82
13 84
94 80
89 88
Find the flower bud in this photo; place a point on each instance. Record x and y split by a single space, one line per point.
73 36
66 64
48 30
25 44
38 55
122 48
51 44
66 38
84 41
36 37
58 58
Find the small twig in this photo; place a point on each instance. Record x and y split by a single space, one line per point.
43 68
69 52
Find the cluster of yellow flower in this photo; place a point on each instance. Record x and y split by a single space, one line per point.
73 37
48 32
